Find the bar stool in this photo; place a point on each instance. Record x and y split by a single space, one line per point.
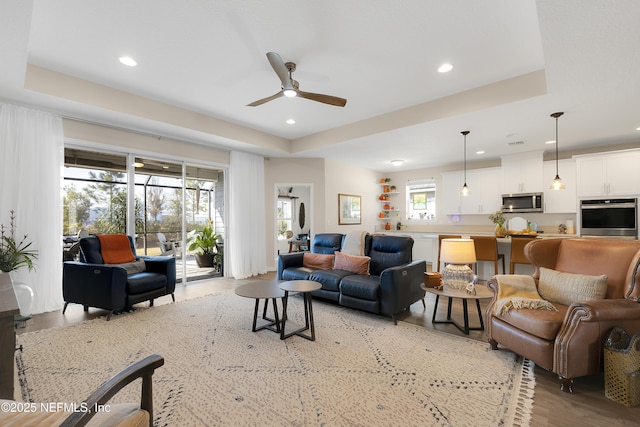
445 236
487 250
517 252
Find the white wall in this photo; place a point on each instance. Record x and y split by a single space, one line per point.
136 143
342 178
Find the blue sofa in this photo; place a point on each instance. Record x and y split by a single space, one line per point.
115 287
392 286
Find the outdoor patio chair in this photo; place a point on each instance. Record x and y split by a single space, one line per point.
168 247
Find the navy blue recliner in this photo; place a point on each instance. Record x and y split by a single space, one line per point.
115 287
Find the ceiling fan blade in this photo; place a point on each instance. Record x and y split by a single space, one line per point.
326 99
264 100
281 70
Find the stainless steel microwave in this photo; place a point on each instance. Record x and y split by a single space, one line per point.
522 202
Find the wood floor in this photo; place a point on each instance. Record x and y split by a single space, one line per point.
586 407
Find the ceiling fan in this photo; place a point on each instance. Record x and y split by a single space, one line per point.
290 86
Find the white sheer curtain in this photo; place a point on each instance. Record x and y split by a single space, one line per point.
247 236
31 154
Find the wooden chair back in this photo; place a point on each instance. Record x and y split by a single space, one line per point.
487 250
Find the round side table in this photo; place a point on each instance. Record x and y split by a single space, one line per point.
305 287
267 290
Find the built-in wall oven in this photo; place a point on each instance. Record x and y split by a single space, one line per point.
609 217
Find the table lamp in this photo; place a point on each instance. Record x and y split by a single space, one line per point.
456 255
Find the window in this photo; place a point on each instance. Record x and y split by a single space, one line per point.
421 200
285 217
95 193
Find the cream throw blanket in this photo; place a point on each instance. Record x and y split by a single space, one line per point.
354 243
516 291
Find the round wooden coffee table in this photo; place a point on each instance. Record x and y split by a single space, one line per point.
267 290
482 292
305 287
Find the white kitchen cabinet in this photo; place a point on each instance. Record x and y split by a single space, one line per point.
609 174
522 173
425 247
450 193
485 196
560 201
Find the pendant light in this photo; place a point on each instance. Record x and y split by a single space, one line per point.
557 183
465 188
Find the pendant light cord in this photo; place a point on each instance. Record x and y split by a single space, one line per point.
557 146
465 133
556 116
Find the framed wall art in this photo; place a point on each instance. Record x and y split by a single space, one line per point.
349 209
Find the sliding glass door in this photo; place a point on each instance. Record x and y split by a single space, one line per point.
171 201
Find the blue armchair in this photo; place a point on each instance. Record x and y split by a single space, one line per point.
115 287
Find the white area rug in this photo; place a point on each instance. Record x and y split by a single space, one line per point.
361 370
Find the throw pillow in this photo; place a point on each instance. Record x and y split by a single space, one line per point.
319 261
134 267
352 263
567 288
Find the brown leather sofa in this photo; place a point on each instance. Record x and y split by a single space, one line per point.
569 342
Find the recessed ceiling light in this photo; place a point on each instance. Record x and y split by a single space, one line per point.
480 152
445 68
550 142
638 128
291 122
397 162
128 61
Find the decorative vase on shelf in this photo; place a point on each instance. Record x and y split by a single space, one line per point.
387 226
501 230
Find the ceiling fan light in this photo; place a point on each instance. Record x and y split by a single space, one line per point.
289 93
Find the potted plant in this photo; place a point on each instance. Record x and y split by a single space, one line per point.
204 244
14 253
498 219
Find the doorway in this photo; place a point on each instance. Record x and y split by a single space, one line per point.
294 216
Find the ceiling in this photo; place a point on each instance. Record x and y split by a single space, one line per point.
200 63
